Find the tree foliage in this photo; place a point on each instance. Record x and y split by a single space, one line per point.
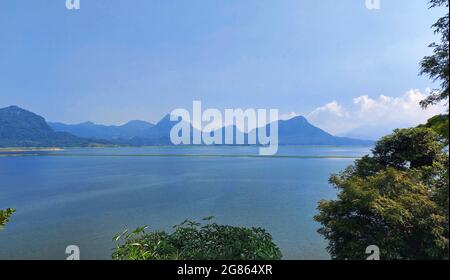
396 199
439 124
194 241
5 216
436 66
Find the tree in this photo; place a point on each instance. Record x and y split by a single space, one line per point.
192 241
436 66
393 199
398 198
439 124
5 215
409 148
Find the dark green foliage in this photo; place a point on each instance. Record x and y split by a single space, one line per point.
439 124
193 241
404 149
5 215
396 199
408 148
436 66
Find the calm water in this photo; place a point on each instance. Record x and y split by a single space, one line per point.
85 196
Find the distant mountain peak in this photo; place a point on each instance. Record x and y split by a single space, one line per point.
297 119
165 119
138 122
13 107
14 111
22 128
129 130
87 123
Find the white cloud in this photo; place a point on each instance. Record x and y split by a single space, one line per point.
332 108
371 118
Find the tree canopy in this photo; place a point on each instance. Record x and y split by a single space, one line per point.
396 199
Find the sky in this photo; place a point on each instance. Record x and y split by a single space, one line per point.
348 69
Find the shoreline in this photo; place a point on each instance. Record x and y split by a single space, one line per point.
32 149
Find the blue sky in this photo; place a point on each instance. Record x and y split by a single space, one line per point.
117 60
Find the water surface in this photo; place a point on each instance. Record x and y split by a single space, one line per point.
85 196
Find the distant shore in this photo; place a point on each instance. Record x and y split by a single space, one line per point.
50 149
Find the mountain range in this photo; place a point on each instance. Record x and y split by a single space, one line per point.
21 128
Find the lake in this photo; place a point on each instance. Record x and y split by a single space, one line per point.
85 196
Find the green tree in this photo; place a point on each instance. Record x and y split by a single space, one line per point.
193 241
398 198
393 199
439 124
5 215
436 66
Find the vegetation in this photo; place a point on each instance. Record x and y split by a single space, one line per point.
436 66
398 198
439 124
194 241
5 215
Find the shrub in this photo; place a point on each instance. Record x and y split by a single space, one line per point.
194 241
